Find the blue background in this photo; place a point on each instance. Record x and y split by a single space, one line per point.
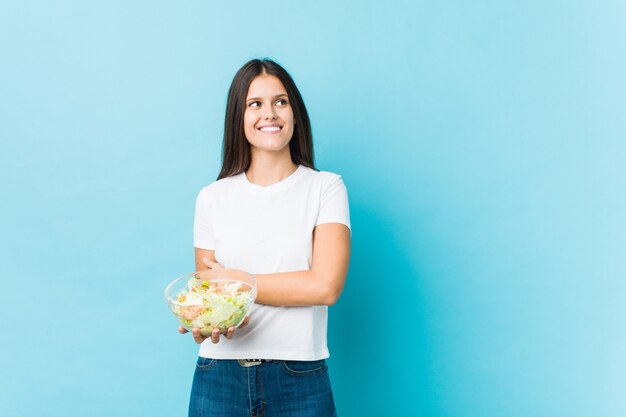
482 144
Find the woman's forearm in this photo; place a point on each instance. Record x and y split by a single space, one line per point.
323 284
299 288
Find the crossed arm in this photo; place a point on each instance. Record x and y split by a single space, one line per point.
321 285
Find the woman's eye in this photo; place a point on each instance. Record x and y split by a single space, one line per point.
281 102
254 104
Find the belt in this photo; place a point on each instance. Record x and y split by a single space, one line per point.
246 363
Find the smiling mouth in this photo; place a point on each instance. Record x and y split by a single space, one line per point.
270 129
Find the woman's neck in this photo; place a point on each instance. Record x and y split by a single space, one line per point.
269 169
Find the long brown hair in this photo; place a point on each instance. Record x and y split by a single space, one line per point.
236 153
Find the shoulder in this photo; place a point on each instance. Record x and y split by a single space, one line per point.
218 187
323 178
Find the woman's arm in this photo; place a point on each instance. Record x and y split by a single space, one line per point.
200 255
322 285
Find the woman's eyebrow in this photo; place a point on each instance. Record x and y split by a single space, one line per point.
275 97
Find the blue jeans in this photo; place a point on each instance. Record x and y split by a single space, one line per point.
278 388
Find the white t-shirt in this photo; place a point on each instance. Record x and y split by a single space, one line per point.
267 229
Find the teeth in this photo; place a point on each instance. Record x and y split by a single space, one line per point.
270 129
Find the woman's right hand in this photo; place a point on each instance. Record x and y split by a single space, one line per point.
215 334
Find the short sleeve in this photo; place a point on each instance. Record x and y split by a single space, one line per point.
203 237
334 203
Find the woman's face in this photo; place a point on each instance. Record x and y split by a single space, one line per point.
268 119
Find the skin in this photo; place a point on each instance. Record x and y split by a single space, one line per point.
268 105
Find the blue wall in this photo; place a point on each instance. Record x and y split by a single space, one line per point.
482 144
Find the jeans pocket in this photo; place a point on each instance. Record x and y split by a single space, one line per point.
304 368
205 363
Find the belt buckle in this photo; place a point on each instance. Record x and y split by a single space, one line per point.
246 363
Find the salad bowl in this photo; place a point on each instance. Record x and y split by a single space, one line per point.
211 299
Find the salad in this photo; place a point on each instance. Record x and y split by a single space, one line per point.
212 304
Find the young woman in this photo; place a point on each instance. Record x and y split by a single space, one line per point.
270 213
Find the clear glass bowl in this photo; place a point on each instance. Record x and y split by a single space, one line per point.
211 299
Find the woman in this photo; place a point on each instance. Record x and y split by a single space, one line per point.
272 214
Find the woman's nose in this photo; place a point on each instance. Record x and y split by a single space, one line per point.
270 114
